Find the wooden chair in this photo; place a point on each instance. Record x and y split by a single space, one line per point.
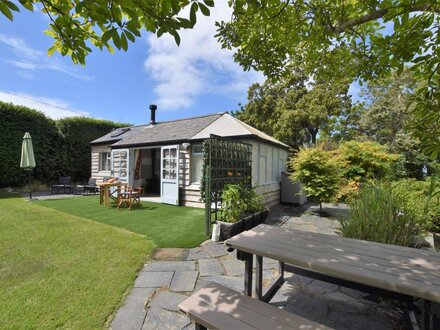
129 196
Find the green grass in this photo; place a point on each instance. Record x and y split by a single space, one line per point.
166 225
62 271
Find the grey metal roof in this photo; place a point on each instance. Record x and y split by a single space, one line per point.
169 131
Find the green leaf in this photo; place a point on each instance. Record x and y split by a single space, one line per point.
116 38
405 17
192 13
27 4
12 6
117 13
133 26
106 36
160 32
176 36
51 50
6 11
124 43
186 23
209 3
130 36
204 9
175 6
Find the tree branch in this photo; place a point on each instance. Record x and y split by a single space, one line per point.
281 10
379 14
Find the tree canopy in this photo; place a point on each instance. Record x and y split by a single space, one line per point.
75 25
325 39
385 116
358 39
295 110
352 38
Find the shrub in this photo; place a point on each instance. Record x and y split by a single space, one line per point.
48 145
61 147
348 190
237 200
424 199
233 206
319 172
77 133
366 160
253 201
383 213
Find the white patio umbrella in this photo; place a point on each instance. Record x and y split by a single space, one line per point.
27 161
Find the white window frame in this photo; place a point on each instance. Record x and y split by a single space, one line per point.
282 161
192 162
275 165
107 162
262 157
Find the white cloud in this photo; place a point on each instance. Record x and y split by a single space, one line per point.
198 66
31 59
51 107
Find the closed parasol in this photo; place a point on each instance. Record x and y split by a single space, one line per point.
27 161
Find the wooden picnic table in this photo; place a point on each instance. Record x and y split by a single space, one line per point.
105 195
399 272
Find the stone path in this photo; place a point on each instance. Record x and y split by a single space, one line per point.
163 284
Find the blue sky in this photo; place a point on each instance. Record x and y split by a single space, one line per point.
196 78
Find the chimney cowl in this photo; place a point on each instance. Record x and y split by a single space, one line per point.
153 109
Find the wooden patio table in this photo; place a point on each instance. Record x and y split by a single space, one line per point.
397 272
105 196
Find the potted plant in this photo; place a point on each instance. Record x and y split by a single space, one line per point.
241 209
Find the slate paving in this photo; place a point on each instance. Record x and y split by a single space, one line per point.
163 284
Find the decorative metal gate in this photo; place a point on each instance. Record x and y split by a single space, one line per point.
225 161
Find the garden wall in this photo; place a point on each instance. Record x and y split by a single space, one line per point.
61 147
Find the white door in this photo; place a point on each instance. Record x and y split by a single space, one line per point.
120 164
169 175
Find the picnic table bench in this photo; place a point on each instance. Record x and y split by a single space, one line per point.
398 272
218 307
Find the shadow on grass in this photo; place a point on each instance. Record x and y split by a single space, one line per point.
134 208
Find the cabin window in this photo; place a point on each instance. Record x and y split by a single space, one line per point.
283 160
275 165
262 175
104 161
196 163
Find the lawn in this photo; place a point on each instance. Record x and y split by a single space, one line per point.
165 225
62 271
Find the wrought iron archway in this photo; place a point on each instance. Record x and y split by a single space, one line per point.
225 161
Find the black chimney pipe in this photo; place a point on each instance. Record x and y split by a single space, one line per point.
153 109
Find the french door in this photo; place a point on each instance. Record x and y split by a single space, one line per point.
169 175
120 164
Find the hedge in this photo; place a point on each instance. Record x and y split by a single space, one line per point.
61 147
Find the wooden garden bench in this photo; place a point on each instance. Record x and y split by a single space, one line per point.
218 307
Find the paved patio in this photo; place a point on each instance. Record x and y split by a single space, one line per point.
163 284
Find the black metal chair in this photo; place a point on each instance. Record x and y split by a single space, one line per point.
64 184
87 187
91 186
